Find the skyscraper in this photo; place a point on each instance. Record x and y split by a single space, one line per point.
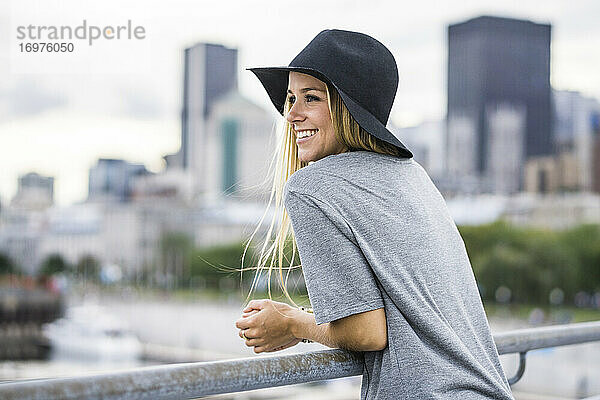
499 100
112 179
34 192
238 150
210 71
577 129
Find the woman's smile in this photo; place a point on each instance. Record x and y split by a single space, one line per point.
305 135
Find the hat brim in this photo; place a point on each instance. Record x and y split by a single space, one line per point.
275 82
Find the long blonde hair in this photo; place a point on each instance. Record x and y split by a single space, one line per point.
284 163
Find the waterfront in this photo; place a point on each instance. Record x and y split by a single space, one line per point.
202 330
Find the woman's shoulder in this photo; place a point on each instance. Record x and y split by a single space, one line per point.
360 160
319 173
355 168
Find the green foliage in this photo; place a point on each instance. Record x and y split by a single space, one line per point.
54 264
532 262
211 267
584 240
176 240
7 266
291 273
219 267
218 262
176 250
88 268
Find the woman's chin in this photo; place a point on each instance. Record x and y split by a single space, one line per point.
305 156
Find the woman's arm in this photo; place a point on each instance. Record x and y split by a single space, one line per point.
366 331
276 324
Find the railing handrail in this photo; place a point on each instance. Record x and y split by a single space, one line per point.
523 340
178 381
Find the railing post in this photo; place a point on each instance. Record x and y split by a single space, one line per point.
521 369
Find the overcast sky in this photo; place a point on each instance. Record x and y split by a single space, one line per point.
58 115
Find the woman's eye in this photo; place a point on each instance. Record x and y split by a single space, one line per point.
308 98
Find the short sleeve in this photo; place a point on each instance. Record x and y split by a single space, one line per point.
339 280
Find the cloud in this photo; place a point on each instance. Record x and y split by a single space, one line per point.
65 144
27 97
141 102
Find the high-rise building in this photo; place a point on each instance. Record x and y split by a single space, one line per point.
210 71
499 100
426 141
112 180
577 137
239 148
23 222
34 192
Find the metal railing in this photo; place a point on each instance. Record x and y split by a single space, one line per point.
191 380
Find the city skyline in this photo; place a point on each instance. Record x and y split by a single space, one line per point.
76 119
499 101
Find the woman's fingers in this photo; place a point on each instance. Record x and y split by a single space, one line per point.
244 323
255 304
246 334
260 342
247 314
254 342
268 330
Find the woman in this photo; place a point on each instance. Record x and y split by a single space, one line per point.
386 270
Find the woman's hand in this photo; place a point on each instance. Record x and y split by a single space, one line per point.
267 325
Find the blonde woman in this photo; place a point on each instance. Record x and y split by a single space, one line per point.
386 269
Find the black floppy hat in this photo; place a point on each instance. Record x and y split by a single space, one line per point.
360 68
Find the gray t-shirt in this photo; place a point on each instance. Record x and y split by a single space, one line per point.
373 231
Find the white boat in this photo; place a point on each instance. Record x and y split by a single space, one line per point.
90 332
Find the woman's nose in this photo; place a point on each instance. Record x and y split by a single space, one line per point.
295 114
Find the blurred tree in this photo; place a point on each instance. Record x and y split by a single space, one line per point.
175 251
488 241
556 264
482 238
216 263
88 268
584 240
530 262
291 274
54 264
7 266
506 266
